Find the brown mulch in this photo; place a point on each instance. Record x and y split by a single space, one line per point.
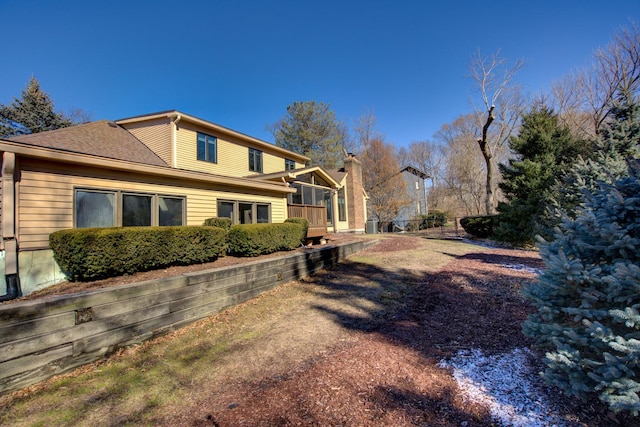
388 375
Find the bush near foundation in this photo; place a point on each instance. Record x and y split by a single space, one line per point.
95 253
259 239
479 226
305 227
221 222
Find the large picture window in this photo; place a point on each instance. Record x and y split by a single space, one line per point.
245 212
207 148
102 208
136 210
170 211
95 209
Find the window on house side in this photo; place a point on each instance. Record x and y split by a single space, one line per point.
207 148
255 160
245 212
342 205
262 214
170 211
136 210
226 210
289 164
95 209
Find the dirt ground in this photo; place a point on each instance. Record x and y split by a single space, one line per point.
358 345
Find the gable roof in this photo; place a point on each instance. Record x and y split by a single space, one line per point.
101 138
337 174
416 172
214 128
294 173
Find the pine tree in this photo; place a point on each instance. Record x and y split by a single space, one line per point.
588 297
312 129
33 113
544 150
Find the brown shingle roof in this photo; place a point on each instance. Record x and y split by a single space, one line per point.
101 138
337 174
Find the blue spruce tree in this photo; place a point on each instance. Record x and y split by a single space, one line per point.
588 297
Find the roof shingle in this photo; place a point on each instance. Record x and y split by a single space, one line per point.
101 138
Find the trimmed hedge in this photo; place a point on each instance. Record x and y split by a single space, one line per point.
305 227
479 226
259 239
94 253
221 222
435 218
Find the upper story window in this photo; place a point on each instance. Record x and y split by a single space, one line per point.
255 160
289 164
207 148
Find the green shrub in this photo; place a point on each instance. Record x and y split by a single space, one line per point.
259 239
435 218
95 253
221 222
479 226
305 227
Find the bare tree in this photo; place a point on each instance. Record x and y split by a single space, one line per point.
463 166
584 98
364 132
502 105
383 181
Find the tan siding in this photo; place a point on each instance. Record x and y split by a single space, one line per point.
233 156
46 198
156 135
271 163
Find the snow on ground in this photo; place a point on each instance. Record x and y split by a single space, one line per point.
507 385
522 267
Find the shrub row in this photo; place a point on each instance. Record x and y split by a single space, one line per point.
258 239
96 253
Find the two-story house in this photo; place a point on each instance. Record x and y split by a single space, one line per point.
167 168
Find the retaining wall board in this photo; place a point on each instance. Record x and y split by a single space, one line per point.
41 338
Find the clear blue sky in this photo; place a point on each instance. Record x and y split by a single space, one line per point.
240 63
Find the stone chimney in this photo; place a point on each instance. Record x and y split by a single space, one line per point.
356 208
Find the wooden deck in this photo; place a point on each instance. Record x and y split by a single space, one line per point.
316 215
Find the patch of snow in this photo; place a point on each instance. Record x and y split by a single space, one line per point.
522 267
507 385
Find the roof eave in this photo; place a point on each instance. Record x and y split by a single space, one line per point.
121 165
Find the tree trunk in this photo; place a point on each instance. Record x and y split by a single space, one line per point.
488 158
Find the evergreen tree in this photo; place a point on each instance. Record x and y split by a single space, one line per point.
618 141
32 113
311 129
544 150
588 297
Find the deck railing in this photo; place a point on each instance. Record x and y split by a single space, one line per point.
316 215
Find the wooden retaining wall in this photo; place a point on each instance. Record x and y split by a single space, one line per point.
42 338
